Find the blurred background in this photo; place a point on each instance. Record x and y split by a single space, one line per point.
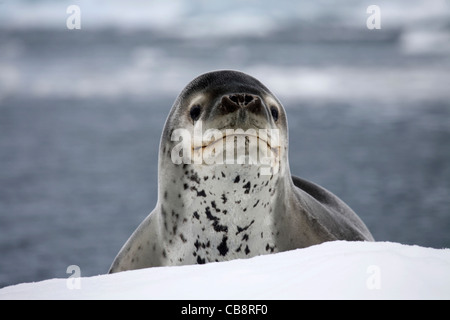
82 111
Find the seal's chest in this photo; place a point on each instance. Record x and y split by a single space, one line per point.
237 233
226 216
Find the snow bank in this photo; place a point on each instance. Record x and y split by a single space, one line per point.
333 270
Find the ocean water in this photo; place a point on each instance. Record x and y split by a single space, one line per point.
82 111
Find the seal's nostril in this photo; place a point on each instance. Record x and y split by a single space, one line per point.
248 99
228 105
234 99
255 106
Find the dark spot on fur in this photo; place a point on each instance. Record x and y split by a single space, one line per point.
217 227
223 175
222 247
247 250
224 198
196 216
200 260
236 180
256 204
209 215
225 211
194 177
197 244
183 238
201 193
244 228
245 237
213 204
165 194
205 178
185 186
164 254
239 249
247 187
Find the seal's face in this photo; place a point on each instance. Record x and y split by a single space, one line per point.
226 117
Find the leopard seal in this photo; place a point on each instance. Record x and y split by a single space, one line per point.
211 211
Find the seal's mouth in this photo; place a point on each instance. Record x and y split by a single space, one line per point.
238 140
225 139
243 148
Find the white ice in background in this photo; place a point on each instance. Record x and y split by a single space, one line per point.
421 25
332 270
202 18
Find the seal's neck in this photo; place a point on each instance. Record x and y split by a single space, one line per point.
226 209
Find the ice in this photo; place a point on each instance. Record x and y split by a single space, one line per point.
332 270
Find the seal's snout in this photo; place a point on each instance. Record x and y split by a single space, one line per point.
233 102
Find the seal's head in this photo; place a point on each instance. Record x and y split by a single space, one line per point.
226 117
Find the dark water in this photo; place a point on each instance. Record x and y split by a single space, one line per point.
81 116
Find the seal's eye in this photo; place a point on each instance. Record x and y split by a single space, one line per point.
195 112
274 112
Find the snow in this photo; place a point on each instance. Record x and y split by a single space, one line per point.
332 270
